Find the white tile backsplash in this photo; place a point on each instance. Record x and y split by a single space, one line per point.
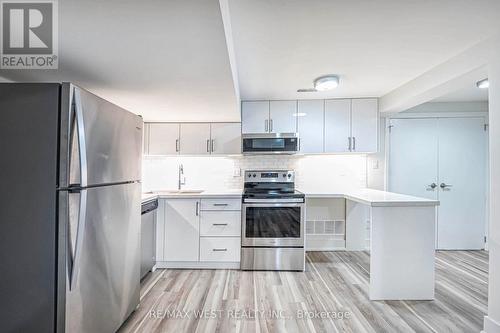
313 172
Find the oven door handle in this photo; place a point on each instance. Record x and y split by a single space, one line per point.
273 201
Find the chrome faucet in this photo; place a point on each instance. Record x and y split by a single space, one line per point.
182 179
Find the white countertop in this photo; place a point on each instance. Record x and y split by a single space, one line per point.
374 198
223 193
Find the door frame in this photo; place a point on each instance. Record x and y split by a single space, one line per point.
424 115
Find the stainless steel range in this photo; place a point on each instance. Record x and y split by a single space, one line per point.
273 217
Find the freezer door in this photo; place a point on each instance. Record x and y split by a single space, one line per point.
103 257
101 143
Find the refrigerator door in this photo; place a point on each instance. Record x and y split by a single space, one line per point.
103 257
101 143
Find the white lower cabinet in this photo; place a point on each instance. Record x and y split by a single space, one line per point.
220 223
199 233
182 230
220 249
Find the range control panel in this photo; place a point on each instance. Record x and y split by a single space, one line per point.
269 176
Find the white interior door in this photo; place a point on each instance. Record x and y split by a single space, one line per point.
282 116
462 166
337 125
311 125
413 157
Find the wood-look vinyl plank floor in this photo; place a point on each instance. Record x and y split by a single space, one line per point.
334 283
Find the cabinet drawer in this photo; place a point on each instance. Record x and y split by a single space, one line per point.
221 204
220 249
220 223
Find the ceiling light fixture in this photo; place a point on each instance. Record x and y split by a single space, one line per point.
327 82
323 83
483 84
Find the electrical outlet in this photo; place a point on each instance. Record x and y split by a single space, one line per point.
237 172
375 164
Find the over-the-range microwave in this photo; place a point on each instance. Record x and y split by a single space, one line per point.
270 143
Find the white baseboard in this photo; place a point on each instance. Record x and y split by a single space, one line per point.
490 326
198 265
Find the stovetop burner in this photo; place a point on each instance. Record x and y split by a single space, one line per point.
273 184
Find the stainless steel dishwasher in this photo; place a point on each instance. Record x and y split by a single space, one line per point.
148 235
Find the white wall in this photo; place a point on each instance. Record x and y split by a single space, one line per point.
313 172
492 320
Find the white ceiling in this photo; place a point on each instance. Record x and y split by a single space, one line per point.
166 60
375 46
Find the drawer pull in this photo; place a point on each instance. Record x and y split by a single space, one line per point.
219 250
220 204
216 224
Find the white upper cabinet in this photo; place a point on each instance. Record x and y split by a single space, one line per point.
364 125
255 116
195 138
337 125
145 139
310 117
163 139
282 117
225 138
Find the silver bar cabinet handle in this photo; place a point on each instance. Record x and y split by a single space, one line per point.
197 208
219 250
266 125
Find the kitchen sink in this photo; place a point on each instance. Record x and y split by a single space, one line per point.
181 191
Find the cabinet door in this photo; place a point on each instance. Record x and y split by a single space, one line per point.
337 125
255 117
195 139
226 138
145 139
283 116
163 138
182 230
310 119
364 124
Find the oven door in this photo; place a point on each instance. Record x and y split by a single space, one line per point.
269 224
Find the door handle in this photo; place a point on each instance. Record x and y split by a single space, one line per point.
444 186
219 224
431 187
266 125
220 204
80 233
350 143
197 210
219 250
208 146
177 145
82 144
213 145
354 143
270 125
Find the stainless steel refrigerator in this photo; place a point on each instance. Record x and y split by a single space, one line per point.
70 210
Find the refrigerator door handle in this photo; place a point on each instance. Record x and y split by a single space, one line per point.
80 233
82 146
